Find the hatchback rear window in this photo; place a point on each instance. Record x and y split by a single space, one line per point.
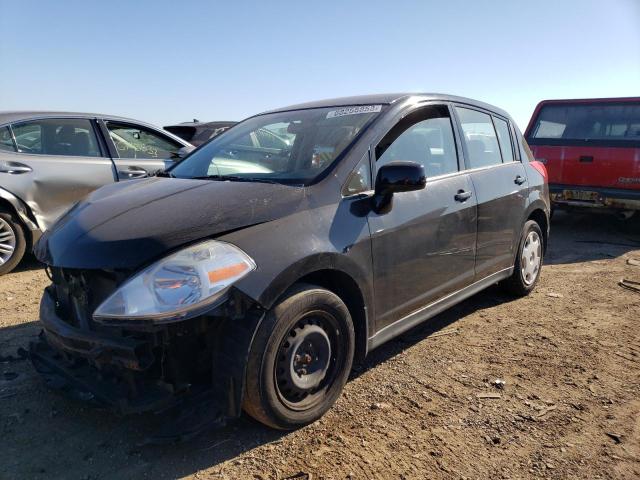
589 122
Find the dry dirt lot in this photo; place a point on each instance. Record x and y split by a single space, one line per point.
569 356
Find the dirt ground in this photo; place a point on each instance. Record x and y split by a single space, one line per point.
421 406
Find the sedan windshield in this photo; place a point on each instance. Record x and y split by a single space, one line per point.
293 147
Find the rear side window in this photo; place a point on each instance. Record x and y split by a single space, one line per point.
6 142
424 137
65 136
133 141
590 122
504 138
479 137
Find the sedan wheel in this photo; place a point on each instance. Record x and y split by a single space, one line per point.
12 242
7 241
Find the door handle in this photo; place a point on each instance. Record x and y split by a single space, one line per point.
14 168
462 196
133 172
520 180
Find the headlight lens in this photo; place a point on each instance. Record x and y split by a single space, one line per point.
178 286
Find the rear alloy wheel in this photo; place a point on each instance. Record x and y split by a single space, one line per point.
12 242
531 258
528 263
300 359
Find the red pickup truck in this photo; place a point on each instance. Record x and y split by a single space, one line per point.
591 149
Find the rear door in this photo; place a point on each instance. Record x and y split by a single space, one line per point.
588 143
500 183
56 162
137 150
424 247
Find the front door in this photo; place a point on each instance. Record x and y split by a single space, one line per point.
500 183
57 163
424 247
140 151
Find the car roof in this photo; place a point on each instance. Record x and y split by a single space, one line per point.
17 115
388 99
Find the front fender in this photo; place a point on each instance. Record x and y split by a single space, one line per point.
311 264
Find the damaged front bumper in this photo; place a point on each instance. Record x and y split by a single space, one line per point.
201 360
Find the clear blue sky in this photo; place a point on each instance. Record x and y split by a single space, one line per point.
170 61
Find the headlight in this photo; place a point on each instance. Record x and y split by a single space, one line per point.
179 286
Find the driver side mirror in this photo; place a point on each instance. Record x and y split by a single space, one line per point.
396 177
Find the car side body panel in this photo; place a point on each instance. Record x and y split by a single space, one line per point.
50 184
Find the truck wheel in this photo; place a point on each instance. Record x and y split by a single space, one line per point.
528 265
12 242
300 359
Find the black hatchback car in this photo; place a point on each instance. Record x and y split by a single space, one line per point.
251 277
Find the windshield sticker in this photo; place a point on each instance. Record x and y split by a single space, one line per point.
341 112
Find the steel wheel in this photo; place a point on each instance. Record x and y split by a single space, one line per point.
305 366
8 241
531 258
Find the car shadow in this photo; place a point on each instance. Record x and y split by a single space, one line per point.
583 236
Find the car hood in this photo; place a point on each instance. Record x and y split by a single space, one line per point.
128 224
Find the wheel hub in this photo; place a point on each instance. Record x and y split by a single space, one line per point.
7 241
304 361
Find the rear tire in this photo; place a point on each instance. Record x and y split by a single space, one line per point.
13 242
300 359
528 264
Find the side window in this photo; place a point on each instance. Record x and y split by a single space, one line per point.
504 138
134 141
64 136
360 179
6 142
479 137
425 137
268 139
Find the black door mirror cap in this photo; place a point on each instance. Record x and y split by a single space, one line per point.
397 177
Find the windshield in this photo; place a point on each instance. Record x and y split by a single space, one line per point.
610 122
293 147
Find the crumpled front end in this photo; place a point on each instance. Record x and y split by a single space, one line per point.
140 366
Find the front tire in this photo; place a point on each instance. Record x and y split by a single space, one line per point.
13 242
300 359
528 264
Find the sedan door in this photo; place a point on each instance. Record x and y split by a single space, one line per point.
500 182
139 151
54 163
424 247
